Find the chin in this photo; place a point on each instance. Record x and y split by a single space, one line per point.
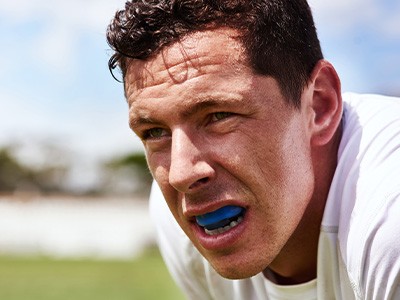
239 270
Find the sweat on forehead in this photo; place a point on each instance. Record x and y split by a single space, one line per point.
186 58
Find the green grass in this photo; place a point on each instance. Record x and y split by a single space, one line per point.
145 278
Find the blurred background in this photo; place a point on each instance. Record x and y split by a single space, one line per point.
73 178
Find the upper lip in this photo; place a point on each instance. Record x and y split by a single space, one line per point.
192 211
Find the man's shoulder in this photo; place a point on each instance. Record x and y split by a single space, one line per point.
363 106
368 155
364 201
366 180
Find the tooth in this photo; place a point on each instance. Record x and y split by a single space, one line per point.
223 229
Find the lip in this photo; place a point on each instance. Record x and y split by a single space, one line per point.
222 241
198 210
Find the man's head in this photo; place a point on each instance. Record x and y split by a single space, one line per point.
278 35
244 155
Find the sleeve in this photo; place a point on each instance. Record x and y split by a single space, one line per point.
184 262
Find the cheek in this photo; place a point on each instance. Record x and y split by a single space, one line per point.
159 168
297 166
297 149
275 161
158 165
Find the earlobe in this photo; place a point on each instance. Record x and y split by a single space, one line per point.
326 103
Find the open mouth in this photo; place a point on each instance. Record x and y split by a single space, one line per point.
221 220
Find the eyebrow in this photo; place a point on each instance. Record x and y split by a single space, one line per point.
192 109
139 121
201 105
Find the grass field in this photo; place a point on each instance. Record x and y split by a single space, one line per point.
145 278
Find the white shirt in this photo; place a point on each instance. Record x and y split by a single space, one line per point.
359 243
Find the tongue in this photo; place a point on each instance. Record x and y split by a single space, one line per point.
219 215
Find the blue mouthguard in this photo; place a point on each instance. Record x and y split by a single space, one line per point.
219 215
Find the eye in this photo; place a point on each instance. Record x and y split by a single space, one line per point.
220 115
154 133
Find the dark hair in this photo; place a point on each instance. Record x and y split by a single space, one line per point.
279 36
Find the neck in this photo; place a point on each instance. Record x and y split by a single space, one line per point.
297 261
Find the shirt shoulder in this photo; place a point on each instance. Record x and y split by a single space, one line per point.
364 199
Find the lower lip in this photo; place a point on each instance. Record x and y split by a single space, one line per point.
221 241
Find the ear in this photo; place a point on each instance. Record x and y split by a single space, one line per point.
325 103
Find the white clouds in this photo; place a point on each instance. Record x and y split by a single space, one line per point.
343 11
56 48
79 14
358 36
64 22
17 114
390 24
341 16
51 51
81 129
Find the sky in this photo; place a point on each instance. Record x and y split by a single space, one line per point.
56 89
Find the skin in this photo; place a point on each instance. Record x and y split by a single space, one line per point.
216 134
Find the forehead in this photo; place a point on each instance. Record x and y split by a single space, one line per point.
197 54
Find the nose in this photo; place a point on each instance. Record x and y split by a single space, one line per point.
189 169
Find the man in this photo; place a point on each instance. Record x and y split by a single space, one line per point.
280 190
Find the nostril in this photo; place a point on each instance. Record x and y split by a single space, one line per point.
199 182
203 180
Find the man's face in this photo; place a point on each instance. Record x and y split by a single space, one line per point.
217 135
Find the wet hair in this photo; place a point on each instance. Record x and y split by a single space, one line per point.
279 36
